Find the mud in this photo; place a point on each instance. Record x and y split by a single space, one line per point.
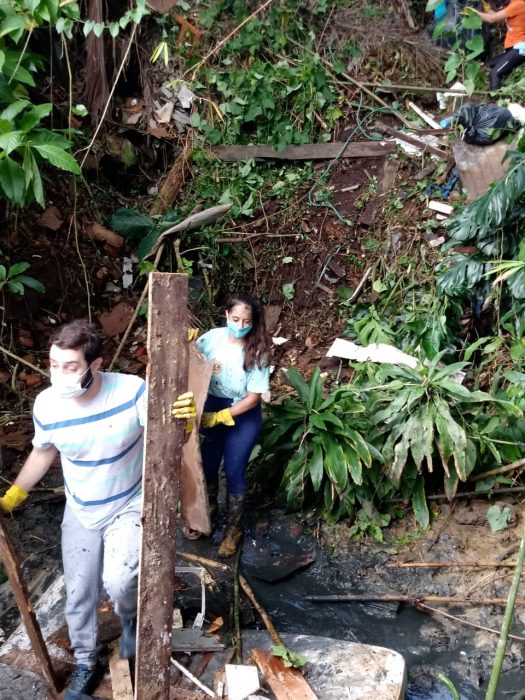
286 559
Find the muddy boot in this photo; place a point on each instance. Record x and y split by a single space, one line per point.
233 533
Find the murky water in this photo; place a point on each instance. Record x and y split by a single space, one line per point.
428 648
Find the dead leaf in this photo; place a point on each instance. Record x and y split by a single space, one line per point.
31 379
51 219
216 625
104 234
117 320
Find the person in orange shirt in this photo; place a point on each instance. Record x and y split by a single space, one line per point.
503 64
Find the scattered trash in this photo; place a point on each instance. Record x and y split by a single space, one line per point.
485 124
127 274
241 681
445 190
443 97
517 111
425 117
441 207
279 341
376 352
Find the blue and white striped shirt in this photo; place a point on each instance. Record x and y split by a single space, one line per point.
100 444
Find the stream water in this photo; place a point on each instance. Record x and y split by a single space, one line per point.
426 645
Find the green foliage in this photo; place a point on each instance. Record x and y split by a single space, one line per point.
320 440
291 659
467 45
425 417
493 224
274 103
14 279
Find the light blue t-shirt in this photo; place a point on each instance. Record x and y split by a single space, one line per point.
229 379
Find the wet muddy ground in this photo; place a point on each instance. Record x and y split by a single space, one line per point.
286 560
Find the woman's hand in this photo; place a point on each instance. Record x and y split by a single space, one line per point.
210 420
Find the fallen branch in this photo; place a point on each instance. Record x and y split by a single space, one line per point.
193 678
274 634
467 494
357 292
428 609
236 609
499 470
400 598
436 564
412 140
224 41
211 563
24 362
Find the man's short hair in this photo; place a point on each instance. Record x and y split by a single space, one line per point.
79 335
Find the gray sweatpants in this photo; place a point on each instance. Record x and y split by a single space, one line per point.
107 557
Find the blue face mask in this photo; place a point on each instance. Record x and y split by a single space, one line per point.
238 332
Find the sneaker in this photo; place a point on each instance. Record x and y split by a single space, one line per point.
83 681
128 638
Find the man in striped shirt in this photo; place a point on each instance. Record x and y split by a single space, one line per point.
95 421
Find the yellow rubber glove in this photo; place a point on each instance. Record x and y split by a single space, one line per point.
13 497
193 334
185 408
210 420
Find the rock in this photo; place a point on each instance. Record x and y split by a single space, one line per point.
51 219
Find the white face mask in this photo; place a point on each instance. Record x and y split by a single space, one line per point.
69 386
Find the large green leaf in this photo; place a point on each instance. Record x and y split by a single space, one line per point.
316 466
130 223
12 180
451 482
353 463
34 117
59 158
422 435
335 462
298 383
419 503
316 388
12 110
455 436
395 470
10 141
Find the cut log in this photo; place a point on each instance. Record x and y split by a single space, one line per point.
479 166
173 182
164 438
194 497
310 151
285 683
14 574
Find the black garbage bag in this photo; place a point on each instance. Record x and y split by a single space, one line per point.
485 124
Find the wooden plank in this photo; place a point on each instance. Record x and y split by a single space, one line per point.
285 683
120 676
164 437
479 166
388 178
194 497
425 147
310 151
14 574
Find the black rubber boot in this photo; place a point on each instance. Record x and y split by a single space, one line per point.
233 534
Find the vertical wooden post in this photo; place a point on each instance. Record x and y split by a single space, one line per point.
164 438
20 592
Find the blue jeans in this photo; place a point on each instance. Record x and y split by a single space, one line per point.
234 443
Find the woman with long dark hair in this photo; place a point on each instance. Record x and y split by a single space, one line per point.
232 417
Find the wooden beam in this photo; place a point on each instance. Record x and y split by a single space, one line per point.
164 438
285 683
425 147
14 574
121 686
310 151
